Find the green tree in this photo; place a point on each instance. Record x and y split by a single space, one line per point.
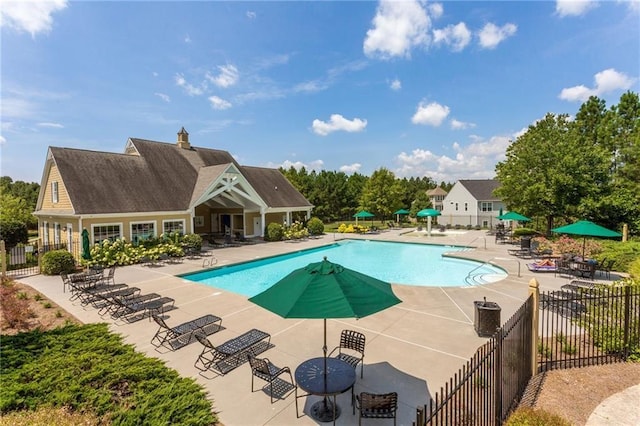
421 202
16 209
548 170
382 195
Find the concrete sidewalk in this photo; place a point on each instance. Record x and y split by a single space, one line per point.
621 409
413 348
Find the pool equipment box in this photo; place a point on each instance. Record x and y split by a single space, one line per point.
487 318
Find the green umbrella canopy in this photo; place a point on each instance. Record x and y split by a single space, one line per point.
586 228
363 214
86 245
514 216
326 290
402 211
428 212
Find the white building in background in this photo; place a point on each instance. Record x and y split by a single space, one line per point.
472 203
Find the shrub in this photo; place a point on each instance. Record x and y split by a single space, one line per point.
275 232
521 232
192 241
13 233
57 261
90 370
315 226
296 231
15 310
634 269
624 253
531 417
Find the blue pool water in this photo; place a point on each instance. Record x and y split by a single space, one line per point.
398 263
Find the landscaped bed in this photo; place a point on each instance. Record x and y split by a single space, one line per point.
85 370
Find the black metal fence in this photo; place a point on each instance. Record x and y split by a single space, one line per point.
588 326
488 387
23 260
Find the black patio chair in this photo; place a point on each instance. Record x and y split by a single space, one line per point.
264 369
377 406
351 349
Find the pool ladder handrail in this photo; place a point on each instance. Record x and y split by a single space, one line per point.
490 262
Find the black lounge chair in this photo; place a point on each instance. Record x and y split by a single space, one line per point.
126 308
264 369
351 349
182 334
232 353
377 406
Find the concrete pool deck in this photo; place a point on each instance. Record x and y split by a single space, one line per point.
412 348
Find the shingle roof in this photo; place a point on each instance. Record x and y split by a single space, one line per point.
163 177
437 191
482 189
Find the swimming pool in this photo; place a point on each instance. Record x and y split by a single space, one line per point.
398 263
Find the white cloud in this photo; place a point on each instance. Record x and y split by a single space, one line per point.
435 10
2 140
606 81
461 125
397 27
251 15
456 36
51 125
189 88
574 7
316 165
395 85
219 103
474 161
228 76
491 35
164 97
336 123
310 86
17 108
432 114
351 168
187 39
30 16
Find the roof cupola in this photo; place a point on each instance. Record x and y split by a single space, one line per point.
183 139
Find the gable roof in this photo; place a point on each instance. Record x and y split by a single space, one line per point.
437 191
155 177
481 189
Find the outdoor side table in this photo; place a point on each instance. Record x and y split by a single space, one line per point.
311 378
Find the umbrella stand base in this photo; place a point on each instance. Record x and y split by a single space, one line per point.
322 411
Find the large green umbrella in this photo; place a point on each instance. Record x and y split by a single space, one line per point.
428 213
514 216
326 290
586 229
400 212
362 214
86 245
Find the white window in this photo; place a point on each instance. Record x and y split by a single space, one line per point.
106 232
487 207
173 226
56 233
54 192
142 231
45 233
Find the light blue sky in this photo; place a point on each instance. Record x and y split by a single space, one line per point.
421 88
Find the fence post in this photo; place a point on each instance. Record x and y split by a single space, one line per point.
3 253
497 395
40 248
534 293
627 320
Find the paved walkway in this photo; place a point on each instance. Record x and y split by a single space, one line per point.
413 348
621 409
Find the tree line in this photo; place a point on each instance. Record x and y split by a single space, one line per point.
338 196
567 168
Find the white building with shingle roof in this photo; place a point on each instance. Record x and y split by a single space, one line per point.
471 203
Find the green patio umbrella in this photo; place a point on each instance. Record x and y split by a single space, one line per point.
86 245
428 213
363 214
586 229
514 216
326 290
400 212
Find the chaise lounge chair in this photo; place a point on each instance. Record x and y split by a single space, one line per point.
232 353
182 334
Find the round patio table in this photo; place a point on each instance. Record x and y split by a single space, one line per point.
339 378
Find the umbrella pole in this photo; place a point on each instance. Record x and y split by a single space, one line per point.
324 350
